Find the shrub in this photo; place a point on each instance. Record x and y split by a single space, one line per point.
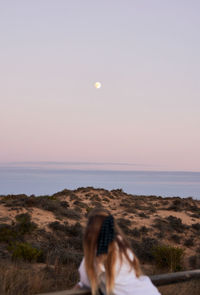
196 226
146 247
176 238
124 223
96 204
64 192
117 191
161 225
71 214
64 204
136 232
58 208
144 229
56 225
189 242
105 200
177 205
143 249
80 204
24 224
151 210
69 257
70 230
193 261
160 235
96 198
74 230
176 223
73 197
7 234
24 251
11 233
131 210
143 215
168 257
15 200
75 243
31 201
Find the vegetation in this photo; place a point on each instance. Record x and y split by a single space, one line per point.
168 257
24 251
57 243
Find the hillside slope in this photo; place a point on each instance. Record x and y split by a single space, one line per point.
46 231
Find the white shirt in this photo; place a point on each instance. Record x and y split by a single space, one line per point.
126 282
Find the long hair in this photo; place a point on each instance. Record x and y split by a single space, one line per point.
92 261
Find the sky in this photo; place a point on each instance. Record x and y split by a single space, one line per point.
145 54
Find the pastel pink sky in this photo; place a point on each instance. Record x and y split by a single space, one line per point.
145 54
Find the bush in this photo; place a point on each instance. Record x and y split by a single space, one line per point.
176 238
64 192
143 215
161 225
189 242
15 200
144 229
123 224
71 214
80 204
96 198
24 224
196 226
7 234
69 257
168 257
75 243
177 205
144 249
74 230
64 204
70 230
11 233
193 261
24 251
135 232
96 204
56 225
105 200
176 224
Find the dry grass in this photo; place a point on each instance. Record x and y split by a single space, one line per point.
184 288
25 279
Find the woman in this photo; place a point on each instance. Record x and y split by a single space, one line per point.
109 265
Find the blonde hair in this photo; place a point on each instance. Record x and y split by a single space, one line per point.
92 261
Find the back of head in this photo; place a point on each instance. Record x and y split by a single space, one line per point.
101 222
93 228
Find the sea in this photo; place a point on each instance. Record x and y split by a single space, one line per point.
46 178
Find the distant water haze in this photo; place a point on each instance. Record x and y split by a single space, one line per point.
49 177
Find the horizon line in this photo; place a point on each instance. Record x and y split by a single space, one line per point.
73 163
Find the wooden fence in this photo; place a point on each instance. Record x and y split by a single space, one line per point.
158 280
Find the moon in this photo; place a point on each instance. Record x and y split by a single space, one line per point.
97 85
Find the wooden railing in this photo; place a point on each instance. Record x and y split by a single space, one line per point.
158 280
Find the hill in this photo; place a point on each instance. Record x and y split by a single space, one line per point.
41 236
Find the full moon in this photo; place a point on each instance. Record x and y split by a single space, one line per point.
97 85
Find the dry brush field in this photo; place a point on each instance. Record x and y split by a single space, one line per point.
41 237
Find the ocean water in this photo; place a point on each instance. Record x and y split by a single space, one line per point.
40 179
